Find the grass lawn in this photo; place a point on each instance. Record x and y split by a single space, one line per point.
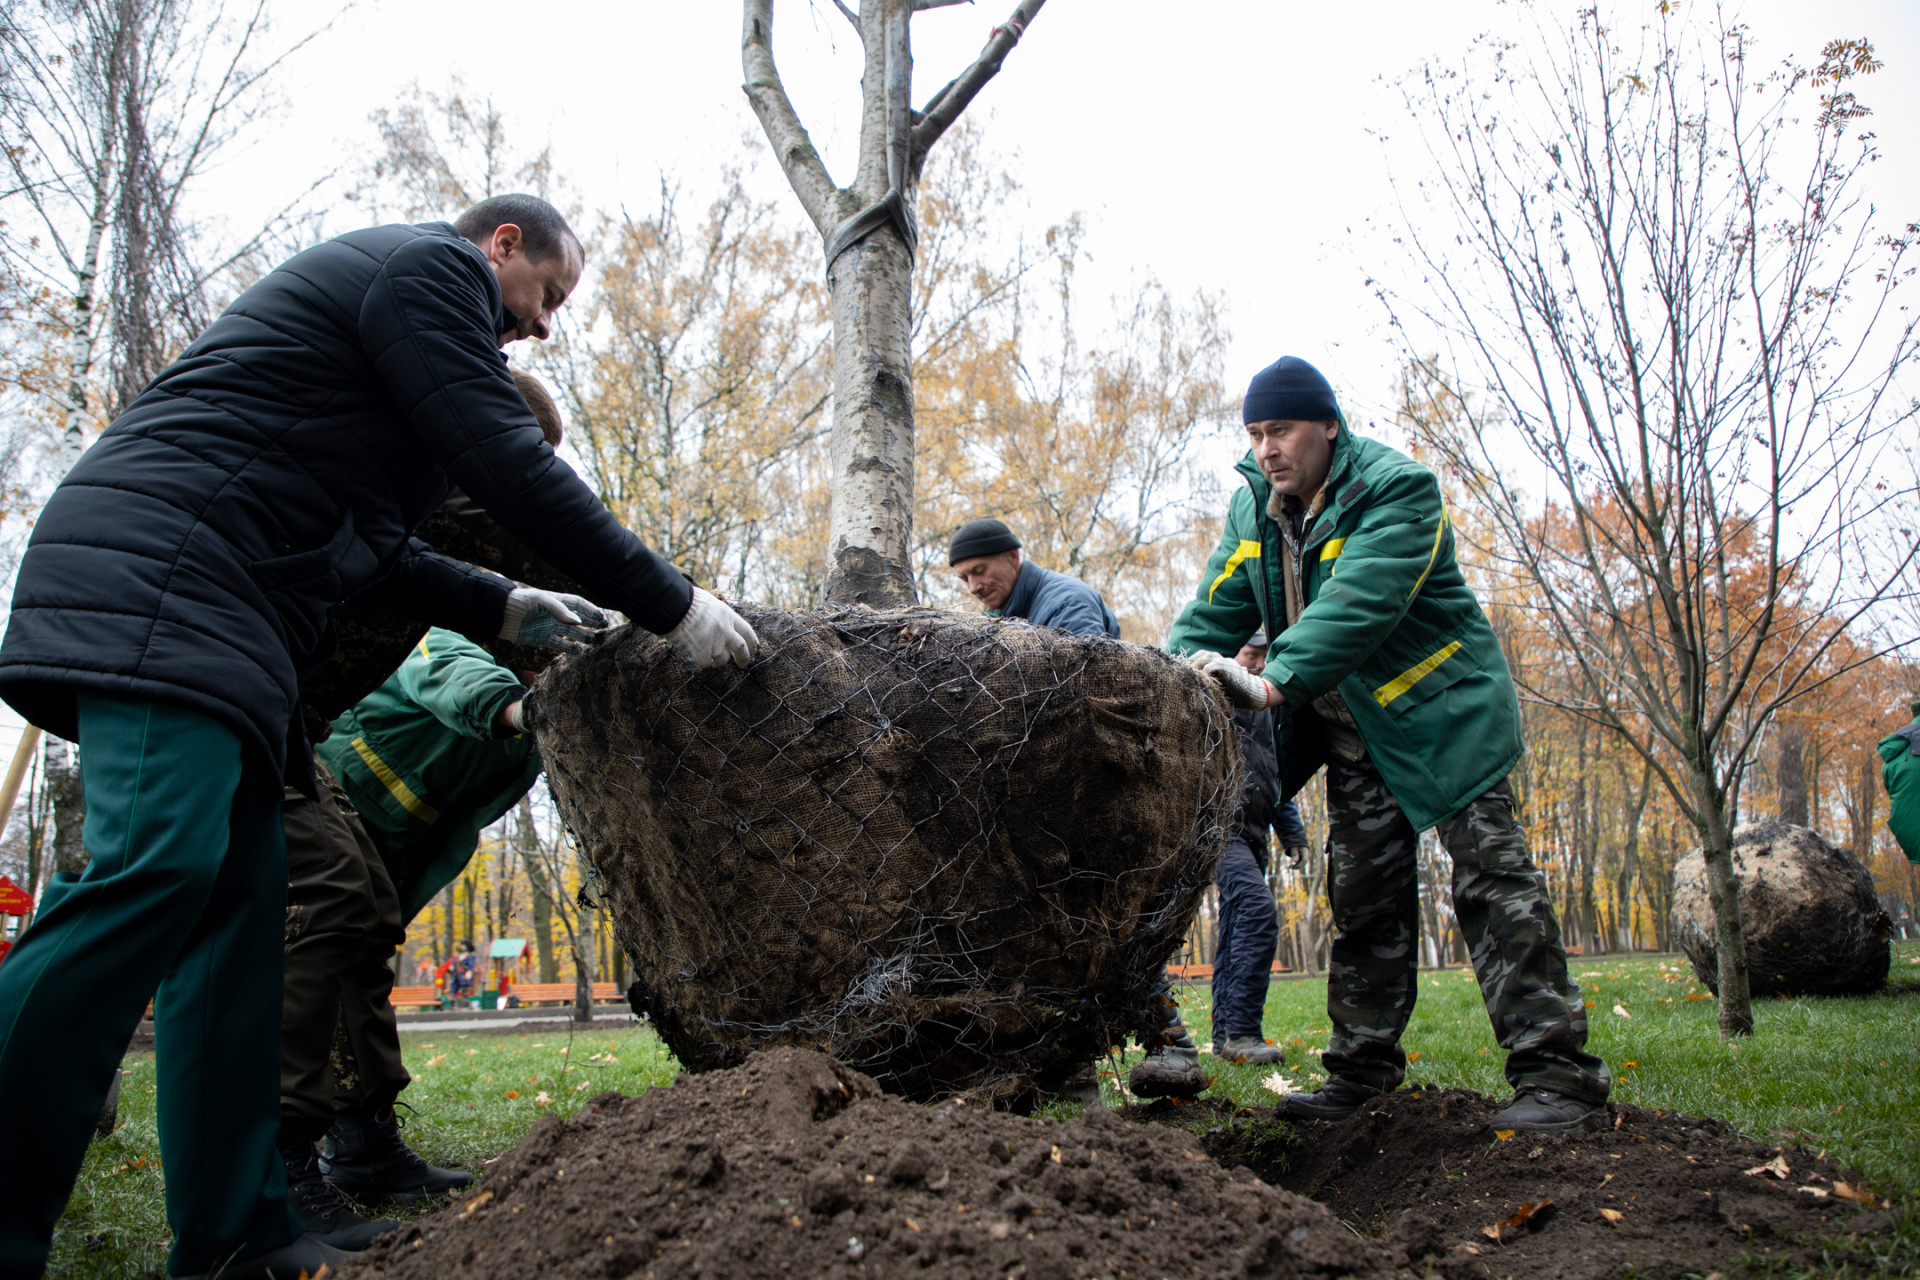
1839 1074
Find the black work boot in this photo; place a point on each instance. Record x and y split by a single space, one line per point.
1171 1068
1334 1100
324 1213
1540 1110
366 1159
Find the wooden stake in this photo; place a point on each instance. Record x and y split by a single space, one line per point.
17 771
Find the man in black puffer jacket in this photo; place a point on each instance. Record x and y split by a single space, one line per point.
177 587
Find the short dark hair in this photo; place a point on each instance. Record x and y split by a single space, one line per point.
542 229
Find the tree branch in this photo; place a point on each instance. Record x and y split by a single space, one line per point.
806 172
945 106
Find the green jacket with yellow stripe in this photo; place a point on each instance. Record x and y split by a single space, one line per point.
1387 620
427 765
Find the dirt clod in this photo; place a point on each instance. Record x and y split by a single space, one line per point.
793 1165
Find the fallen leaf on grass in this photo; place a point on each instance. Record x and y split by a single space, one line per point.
1529 1216
477 1202
1859 1195
1277 1083
1620 1011
1612 1215
1698 995
541 1099
1821 1192
1776 1166
436 1059
513 1093
1501 1135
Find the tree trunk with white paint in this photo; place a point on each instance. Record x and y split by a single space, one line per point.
868 231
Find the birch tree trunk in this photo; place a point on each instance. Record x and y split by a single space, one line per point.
868 232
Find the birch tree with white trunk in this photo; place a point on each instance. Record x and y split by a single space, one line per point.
868 232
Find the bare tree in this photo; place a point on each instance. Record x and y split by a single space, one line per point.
110 110
869 232
1681 309
441 151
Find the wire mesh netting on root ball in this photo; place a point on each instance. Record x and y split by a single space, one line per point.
953 851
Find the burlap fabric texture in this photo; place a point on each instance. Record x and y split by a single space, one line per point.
952 851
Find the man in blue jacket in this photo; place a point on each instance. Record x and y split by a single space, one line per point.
177 586
985 556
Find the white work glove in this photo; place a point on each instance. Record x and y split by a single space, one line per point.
1244 689
550 620
712 633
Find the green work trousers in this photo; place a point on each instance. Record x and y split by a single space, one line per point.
343 926
183 903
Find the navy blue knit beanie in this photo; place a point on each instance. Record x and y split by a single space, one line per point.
1289 388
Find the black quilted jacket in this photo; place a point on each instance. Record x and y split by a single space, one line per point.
278 467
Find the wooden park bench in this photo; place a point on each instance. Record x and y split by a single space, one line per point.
562 992
405 996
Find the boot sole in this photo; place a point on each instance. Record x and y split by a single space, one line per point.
1595 1119
368 1198
1167 1088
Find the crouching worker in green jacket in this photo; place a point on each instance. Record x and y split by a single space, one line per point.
417 769
1383 667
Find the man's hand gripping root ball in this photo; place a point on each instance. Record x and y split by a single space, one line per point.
1244 688
712 633
550 620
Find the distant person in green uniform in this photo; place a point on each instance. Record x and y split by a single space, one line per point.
1900 770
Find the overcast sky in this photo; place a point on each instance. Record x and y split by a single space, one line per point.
1226 145
1230 145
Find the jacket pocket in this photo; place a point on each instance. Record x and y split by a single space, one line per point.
1445 666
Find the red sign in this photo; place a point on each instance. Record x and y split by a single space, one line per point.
14 901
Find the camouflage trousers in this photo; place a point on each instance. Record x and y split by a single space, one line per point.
1505 916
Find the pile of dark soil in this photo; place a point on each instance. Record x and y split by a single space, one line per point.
1656 1194
953 851
793 1165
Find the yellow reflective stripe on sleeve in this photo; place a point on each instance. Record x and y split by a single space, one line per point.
422 647
1433 555
1413 675
412 803
1246 551
1333 548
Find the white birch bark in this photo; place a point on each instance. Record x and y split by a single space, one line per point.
870 280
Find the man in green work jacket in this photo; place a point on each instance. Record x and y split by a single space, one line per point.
1900 770
1383 667
417 768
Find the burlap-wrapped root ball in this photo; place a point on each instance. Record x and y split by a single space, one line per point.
952 851
1811 920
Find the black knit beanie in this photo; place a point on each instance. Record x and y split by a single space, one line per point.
1289 388
983 537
